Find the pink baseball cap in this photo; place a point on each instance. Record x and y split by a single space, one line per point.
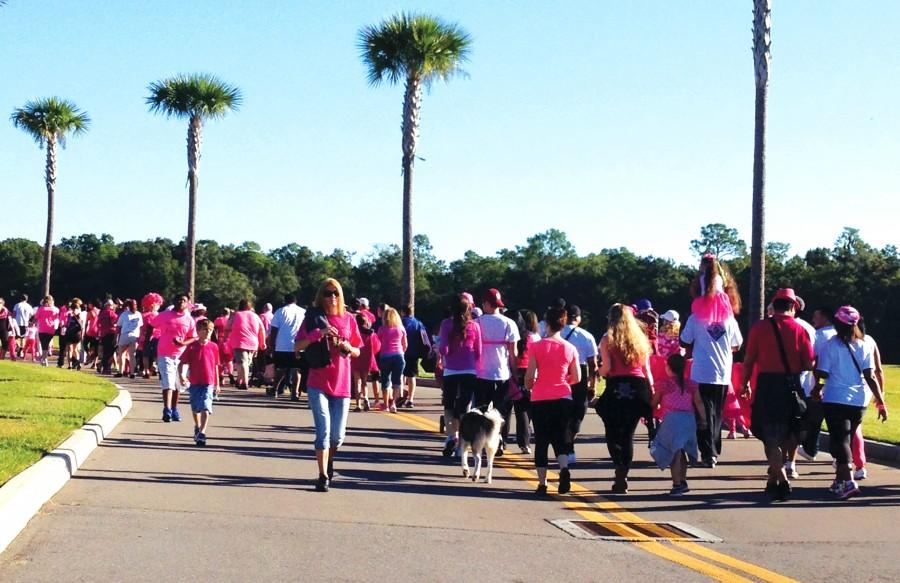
468 297
848 315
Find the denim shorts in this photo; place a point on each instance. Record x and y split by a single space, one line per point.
201 398
168 373
330 418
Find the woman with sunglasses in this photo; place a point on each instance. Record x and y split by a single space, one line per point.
329 385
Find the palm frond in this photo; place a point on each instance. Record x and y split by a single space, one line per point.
410 44
193 95
50 117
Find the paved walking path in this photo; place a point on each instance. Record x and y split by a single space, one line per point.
149 506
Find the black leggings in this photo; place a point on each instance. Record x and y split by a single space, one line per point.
454 389
552 421
621 417
45 340
108 344
842 421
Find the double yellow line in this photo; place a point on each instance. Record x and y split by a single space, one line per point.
593 507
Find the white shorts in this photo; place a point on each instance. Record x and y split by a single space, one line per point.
168 373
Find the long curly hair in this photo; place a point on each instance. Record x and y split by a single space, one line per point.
625 336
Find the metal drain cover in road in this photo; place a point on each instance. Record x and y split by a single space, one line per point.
634 531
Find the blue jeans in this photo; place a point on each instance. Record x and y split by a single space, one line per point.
330 418
391 366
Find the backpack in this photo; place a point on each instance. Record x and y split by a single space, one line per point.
73 327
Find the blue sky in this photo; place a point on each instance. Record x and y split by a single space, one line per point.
621 123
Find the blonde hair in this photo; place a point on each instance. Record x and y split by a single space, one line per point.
391 318
320 294
670 328
626 337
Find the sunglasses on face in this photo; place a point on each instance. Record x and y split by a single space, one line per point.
331 293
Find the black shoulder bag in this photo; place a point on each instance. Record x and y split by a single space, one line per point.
317 354
792 381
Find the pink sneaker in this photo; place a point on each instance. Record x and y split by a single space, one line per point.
393 408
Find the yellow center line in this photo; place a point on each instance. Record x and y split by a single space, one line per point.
611 514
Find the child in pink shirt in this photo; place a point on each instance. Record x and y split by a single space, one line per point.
363 367
201 359
676 438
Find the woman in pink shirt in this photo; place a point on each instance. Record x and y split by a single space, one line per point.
226 366
366 366
246 335
47 317
459 340
625 351
329 386
392 336
552 369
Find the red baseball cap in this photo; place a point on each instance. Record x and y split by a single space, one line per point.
492 296
787 293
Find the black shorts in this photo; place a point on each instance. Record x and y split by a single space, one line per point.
411 368
286 360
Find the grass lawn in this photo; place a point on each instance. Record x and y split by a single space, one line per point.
39 409
888 432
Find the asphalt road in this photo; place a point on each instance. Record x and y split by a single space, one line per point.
150 506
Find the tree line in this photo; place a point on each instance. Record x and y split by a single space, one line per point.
531 275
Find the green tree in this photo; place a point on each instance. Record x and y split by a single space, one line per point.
416 49
196 98
720 240
49 121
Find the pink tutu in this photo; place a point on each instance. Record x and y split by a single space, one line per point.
715 308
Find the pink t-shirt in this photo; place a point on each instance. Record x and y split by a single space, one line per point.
672 397
47 319
334 379
247 331
92 326
366 363
266 318
172 325
553 357
391 340
203 363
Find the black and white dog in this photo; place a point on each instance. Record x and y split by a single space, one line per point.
479 431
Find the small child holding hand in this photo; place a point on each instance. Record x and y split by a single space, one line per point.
201 359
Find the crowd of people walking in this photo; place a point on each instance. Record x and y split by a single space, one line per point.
541 372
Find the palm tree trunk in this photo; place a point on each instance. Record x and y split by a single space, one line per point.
412 103
194 138
51 191
758 235
762 57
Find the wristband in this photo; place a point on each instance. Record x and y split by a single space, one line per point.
881 407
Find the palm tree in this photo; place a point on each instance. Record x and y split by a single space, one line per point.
49 121
762 58
195 98
417 49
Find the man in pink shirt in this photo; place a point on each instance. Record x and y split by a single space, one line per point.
176 330
246 334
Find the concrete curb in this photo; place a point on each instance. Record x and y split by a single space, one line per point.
23 496
875 450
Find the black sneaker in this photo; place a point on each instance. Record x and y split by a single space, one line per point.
322 484
772 489
167 415
200 439
541 490
565 481
449 446
784 491
330 470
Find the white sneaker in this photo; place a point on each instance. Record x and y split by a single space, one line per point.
791 470
860 474
805 455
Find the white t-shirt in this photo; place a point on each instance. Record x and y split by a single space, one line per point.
288 320
714 344
496 331
845 385
582 340
823 335
23 313
130 325
807 378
